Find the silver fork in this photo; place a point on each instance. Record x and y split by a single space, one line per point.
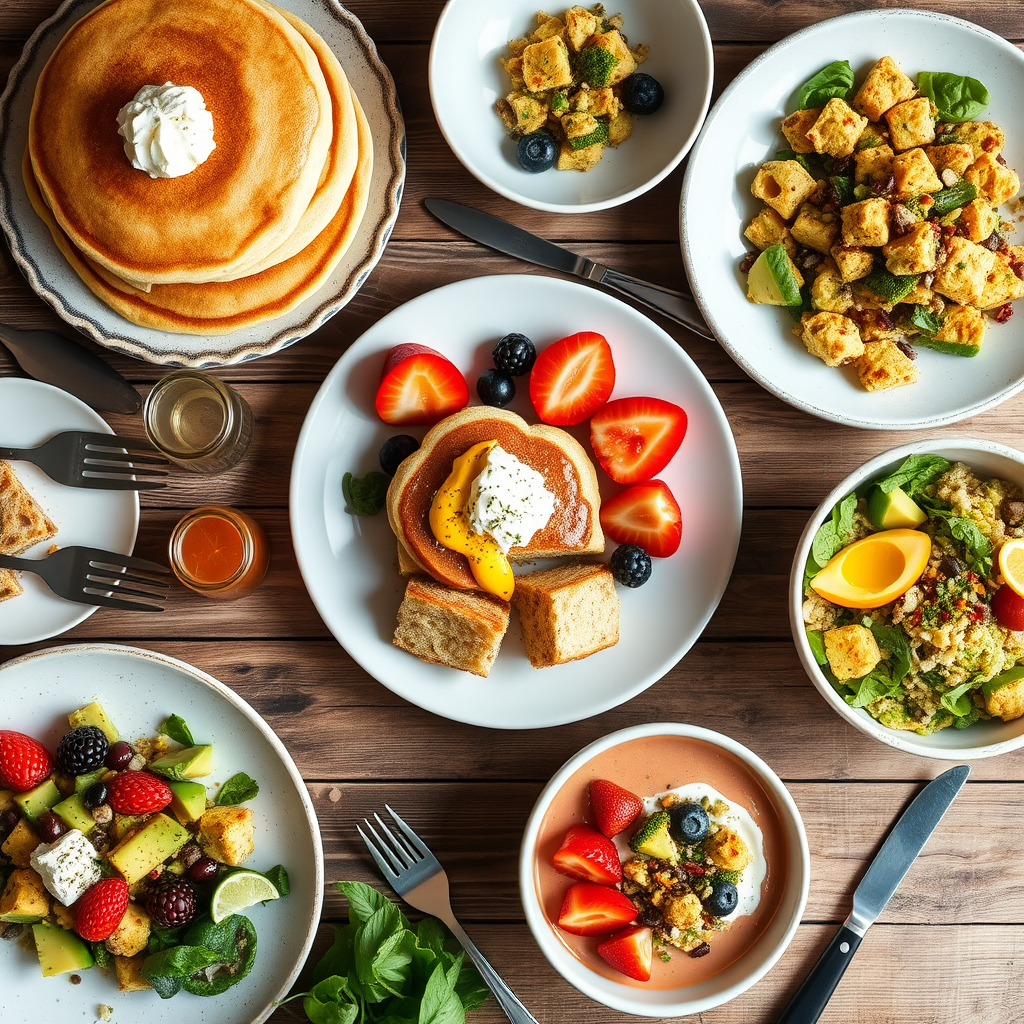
417 876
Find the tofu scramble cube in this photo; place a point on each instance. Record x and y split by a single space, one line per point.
815 228
580 25
830 292
727 850
884 366
128 970
866 222
514 69
579 125
20 844
526 113
852 651
915 252
783 185
852 261
226 834
920 295
964 275
683 912
25 899
914 174
620 127
833 338
885 86
981 136
546 65
911 123
1001 284
570 159
796 126
994 181
547 26
132 934
768 229
873 164
978 220
1007 702
614 43
837 128
962 325
953 156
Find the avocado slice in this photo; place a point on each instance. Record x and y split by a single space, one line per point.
188 800
123 824
73 812
773 279
190 763
36 802
60 951
894 510
652 839
93 714
148 847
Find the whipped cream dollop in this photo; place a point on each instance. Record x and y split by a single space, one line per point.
509 501
167 130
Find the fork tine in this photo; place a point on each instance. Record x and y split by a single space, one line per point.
395 853
417 844
120 455
400 843
119 468
112 602
127 577
101 557
119 484
115 585
385 868
114 440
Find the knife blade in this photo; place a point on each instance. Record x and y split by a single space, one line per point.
514 241
876 888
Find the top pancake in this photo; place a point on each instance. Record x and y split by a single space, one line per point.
272 121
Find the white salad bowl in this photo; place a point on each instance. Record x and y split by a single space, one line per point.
466 80
728 983
982 739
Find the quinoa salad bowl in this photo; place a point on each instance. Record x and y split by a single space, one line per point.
900 609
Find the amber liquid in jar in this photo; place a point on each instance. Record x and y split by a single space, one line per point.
219 552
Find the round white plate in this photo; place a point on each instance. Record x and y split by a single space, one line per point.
466 80
349 562
742 131
30 413
139 689
52 278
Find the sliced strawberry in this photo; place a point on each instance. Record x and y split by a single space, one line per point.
634 439
587 854
572 379
630 952
590 909
419 386
647 515
100 909
614 808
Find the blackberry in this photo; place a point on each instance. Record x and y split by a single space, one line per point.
82 750
495 387
395 450
515 354
642 94
630 565
172 904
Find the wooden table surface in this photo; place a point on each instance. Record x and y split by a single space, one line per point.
949 947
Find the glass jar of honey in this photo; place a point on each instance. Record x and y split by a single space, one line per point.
219 552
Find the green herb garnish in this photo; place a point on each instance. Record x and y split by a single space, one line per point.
924 321
174 728
957 97
237 790
914 474
831 82
365 496
977 548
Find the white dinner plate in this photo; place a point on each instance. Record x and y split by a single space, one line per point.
52 278
349 562
30 413
139 689
742 132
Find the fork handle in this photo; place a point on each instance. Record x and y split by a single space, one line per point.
25 564
15 454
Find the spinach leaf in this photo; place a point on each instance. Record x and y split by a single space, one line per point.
167 970
895 640
844 188
977 548
174 728
834 81
365 496
969 719
835 533
925 321
914 474
816 642
237 790
956 701
957 97
279 877
877 683
163 938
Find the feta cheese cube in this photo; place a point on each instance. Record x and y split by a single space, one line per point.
67 867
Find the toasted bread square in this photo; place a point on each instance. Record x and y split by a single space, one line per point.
22 522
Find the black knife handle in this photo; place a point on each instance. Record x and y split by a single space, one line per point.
672 304
813 995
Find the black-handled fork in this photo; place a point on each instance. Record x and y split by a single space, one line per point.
94 576
83 458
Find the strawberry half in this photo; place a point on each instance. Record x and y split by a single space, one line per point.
587 854
572 379
419 386
630 952
647 515
590 909
99 910
614 808
634 439
24 762
137 793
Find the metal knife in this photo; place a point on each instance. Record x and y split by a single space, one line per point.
876 888
513 241
54 359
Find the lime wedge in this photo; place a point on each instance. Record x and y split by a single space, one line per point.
239 890
773 279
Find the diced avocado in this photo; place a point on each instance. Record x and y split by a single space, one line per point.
190 763
148 847
123 824
25 899
951 348
93 714
73 812
894 510
60 951
83 782
772 280
36 802
188 800
652 838
176 867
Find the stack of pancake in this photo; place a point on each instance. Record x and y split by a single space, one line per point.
252 231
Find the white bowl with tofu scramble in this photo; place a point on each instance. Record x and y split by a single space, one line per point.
745 130
467 80
935 668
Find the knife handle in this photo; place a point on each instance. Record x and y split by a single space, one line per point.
675 305
813 995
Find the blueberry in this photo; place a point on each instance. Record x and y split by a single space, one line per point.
631 565
495 388
95 795
723 900
642 94
688 823
515 354
395 450
536 152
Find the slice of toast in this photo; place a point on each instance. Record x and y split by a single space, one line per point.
22 524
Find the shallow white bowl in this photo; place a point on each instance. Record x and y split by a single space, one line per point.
466 80
983 739
734 979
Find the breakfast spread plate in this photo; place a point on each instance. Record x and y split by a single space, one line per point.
221 286
139 690
30 413
350 563
743 131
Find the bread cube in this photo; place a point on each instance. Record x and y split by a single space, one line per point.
829 292
852 261
783 185
836 129
580 25
570 159
995 182
833 338
911 123
596 102
528 114
914 174
885 86
796 126
962 325
964 275
920 295
915 252
619 128
727 850
815 228
953 156
981 136
546 65
683 912
226 834
978 220
128 970
852 651
20 844
25 899
1001 284
873 164
768 229
132 934
614 43
514 69
1007 702
866 222
884 366
547 26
